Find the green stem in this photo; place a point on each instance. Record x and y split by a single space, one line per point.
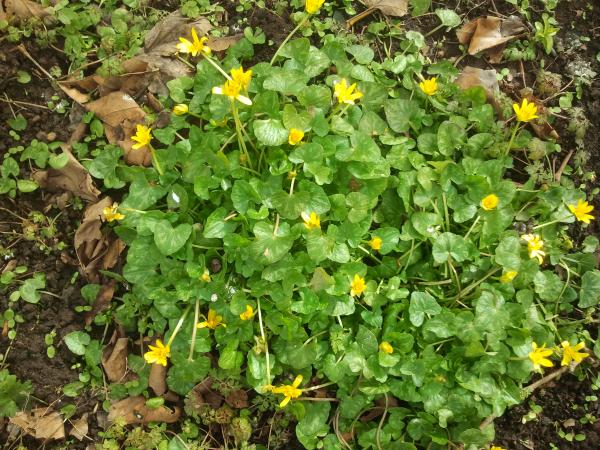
155 160
216 66
512 138
262 335
178 326
472 226
552 222
370 254
194 329
238 130
289 36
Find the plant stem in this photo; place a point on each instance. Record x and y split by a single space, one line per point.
369 253
472 226
194 329
178 326
262 335
155 161
552 222
216 66
238 130
512 138
289 36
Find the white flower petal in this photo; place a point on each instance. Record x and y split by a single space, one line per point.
217 90
243 99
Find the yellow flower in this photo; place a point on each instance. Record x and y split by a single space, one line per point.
508 276
429 87
311 220
242 78
357 286
345 93
490 202
572 353
143 136
375 243
213 320
385 347
194 47
495 447
538 356
158 354
313 6
526 112
111 213
232 89
289 391
248 314
581 210
295 136
180 109
205 276
535 246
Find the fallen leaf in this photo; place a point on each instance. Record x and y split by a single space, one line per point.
22 9
41 423
89 241
75 94
120 114
114 360
115 248
490 34
73 177
395 8
238 398
487 79
157 379
223 43
80 427
134 410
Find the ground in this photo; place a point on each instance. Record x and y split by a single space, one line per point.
563 403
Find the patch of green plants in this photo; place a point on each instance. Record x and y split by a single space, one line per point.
331 224
13 393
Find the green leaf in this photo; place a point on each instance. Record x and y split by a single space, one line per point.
178 88
19 123
30 287
590 289
362 53
168 240
270 132
230 355
366 340
450 137
216 226
421 304
288 82
184 374
58 161
401 114
26 185
450 245
425 222
508 253
77 341
270 246
105 164
419 7
448 18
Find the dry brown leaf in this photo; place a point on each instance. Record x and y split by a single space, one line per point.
395 8
120 114
134 410
487 79
72 178
490 34
80 427
223 43
41 423
238 398
75 94
157 379
114 360
115 248
22 9
103 299
89 241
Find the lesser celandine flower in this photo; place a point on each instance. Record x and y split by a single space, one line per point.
311 220
289 391
346 94
490 202
195 46
248 314
212 321
205 275
232 90
508 276
295 136
430 86
180 109
526 112
313 6
143 136
572 353
112 213
242 78
158 354
358 285
581 210
375 243
385 347
535 246
539 356
495 447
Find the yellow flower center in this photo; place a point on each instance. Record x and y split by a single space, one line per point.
429 87
490 202
357 286
385 347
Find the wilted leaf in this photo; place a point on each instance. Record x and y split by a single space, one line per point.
238 398
120 114
490 33
114 360
158 379
73 177
21 9
80 427
395 8
487 79
134 410
90 243
41 423
223 43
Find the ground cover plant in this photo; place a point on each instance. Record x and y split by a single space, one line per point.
354 242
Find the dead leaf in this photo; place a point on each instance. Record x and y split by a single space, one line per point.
114 360
120 114
223 43
238 398
115 249
103 299
395 8
80 427
89 241
490 34
157 379
487 79
41 423
22 9
134 410
72 178
75 94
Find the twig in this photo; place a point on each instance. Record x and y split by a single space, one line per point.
17 102
25 53
563 165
